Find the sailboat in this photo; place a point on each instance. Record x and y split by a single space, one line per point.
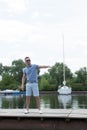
64 89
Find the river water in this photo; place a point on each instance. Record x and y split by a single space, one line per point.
51 101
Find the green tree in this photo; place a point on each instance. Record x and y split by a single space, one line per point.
1 68
12 75
8 82
56 73
16 69
44 84
81 76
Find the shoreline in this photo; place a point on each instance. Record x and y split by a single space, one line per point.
55 92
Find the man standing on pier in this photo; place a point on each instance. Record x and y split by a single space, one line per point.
31 78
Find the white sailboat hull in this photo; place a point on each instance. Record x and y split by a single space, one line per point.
64 90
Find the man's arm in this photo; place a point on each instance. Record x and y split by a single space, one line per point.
23 81
43 66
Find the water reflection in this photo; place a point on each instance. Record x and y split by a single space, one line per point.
51 101
12 101
65 100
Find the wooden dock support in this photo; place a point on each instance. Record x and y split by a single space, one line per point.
51 119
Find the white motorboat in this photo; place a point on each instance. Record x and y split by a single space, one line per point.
9 91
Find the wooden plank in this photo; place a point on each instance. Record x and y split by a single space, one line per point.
47 113
51 119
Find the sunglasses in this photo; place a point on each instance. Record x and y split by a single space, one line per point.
28 60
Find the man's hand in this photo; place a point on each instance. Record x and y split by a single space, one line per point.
22 87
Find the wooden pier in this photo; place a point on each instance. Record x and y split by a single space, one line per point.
50 119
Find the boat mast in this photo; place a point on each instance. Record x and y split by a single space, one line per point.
64 82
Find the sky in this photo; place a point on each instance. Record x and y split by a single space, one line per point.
39 28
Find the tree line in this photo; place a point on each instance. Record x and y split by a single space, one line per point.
11 77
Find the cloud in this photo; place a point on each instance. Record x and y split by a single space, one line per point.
35 27
11 30
15 6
